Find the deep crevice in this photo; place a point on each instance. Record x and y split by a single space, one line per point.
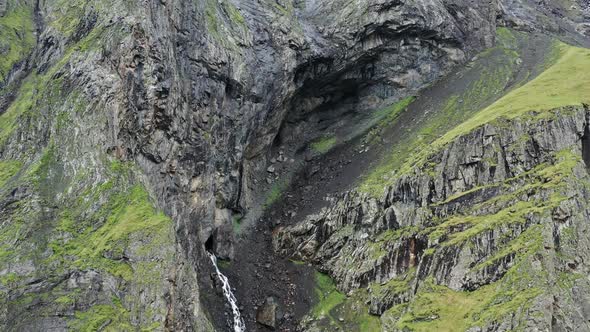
209 244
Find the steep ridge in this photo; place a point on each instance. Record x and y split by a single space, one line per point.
491 216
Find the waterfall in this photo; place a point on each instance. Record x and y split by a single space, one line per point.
239 325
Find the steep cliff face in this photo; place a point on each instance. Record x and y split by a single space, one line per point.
134 134
490 219
83 242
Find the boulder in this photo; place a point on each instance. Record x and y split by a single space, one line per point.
267 313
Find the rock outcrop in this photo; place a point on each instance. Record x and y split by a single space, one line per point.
267 313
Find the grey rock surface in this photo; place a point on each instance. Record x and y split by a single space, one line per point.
3 7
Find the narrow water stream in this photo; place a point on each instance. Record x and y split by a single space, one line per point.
238 321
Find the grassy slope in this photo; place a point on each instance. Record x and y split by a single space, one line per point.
386 117
565 83
442 309
495 70
324 144
7 170
93 229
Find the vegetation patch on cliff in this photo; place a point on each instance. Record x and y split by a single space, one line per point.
386 117
112 317
41 92
23 103
126 213
327 294
335 310
323 144
16 37
539 194
275 193
565 83
438 308
8 169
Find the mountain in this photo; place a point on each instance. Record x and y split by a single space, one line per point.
353 165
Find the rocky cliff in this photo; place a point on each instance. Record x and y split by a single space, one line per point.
134 136
499 222
489 219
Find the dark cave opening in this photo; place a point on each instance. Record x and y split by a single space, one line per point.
210 243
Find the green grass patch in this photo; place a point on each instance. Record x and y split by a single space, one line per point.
506 38
126 213
475 225
237 223
529 241
335 311
324 144
386 117
26 97
224 263
233 14
224 22
68 15
327 295
517 207
298 263
9 279
8 169
275 193
379 248
103 317
566 83
398 285
438 308
44 92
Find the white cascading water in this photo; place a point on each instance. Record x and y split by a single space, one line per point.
239 325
